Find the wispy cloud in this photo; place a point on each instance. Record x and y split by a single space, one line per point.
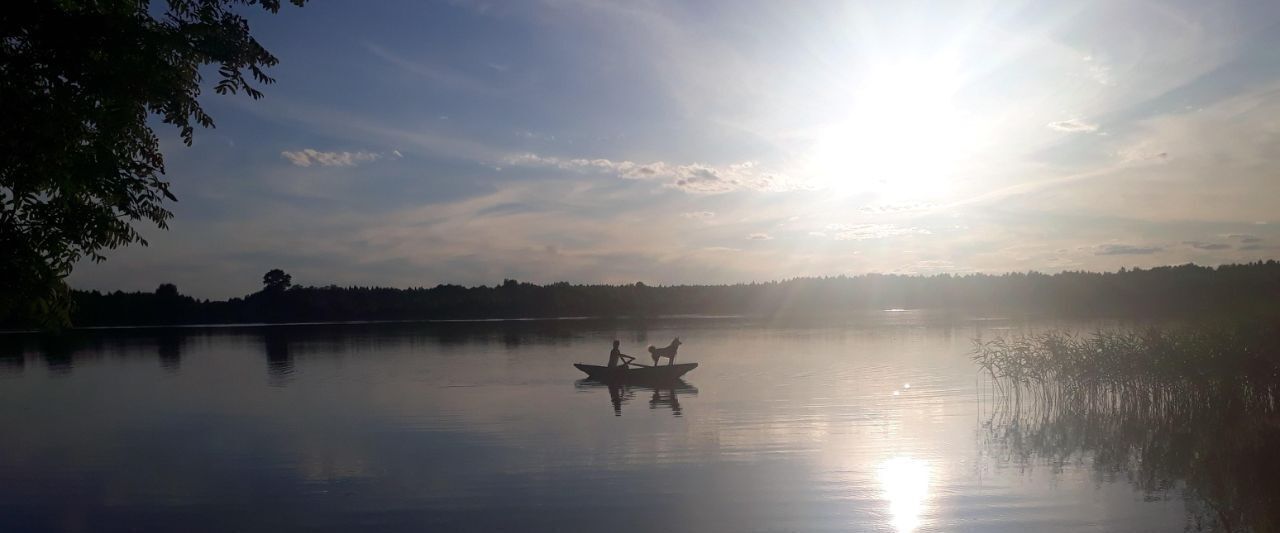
1243 237
861 232
438 76
931 266
691 178
1199 245
1099 70
897 208
1249 243
359 128
760 237
1126 249
699 215
309 156
1074 125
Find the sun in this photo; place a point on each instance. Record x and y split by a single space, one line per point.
898 137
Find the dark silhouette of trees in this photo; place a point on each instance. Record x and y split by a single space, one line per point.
167 291
1248 290
276 281
79 163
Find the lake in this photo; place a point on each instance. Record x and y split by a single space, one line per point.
879 423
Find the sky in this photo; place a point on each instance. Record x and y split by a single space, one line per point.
413 143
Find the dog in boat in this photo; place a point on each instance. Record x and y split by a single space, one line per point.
669 352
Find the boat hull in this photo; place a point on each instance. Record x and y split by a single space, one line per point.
636 374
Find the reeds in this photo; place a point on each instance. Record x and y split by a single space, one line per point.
1190 409
1151 362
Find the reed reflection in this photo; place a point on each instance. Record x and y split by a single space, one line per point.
1190 409
666 395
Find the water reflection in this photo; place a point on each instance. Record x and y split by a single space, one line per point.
169 346
57 352
666 395
12 363
275 344
63 352
904 482
1214 446
667 398
474 427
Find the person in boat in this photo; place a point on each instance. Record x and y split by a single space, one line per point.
616 356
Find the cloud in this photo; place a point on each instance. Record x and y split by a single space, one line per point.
437 76
358 128
760 237
1073 125
696 178
309 156
1249 243
930 266
1212 162
897 208
1207 245
861 232
1098 70
1141 155
699 215
1126 249
1244 238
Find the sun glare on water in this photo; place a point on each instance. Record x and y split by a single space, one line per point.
898 137
904 482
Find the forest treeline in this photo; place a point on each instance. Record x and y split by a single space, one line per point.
1186 290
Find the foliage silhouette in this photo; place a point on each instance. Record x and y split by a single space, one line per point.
167 290
79 163
276 281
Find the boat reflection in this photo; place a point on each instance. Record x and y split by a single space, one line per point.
663 394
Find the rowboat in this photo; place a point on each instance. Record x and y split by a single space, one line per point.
636 373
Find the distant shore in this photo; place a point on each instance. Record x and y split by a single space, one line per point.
1250 289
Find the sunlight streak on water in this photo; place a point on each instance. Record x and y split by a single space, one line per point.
905 485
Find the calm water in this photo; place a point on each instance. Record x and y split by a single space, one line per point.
874 426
